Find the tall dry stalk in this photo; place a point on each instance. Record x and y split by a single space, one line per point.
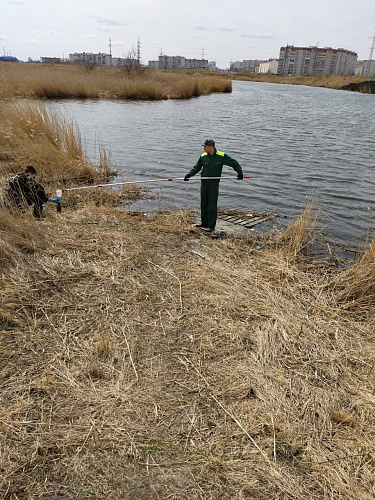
300 232
355 287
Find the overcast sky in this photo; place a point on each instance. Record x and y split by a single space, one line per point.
221 30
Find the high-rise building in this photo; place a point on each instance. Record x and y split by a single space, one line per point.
308 60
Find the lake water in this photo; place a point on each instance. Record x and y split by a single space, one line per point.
293 141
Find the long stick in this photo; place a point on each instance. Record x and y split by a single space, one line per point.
149 180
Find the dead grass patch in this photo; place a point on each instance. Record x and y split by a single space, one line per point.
146 371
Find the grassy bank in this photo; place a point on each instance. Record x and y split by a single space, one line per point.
131 367
354 83
70 81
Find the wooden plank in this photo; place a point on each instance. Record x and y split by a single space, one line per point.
256 222
253 219
231 218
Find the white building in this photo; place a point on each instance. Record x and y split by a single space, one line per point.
153 64
90 58
196 63
171 62
270 66
101 59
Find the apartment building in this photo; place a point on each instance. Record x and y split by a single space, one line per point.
308 60
196 63
171 62
270 66
251 65
101 59
177 62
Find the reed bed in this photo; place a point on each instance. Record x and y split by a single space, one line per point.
31 135
133 367
70 81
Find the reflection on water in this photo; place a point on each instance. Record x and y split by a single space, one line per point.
294 141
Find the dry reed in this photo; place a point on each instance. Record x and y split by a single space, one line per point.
133 368
301 232
70 81
29 134
355 287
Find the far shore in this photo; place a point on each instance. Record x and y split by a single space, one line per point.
352 83
39 81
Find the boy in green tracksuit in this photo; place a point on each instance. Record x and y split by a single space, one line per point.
211 163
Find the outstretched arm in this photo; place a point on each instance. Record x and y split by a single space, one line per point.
197 167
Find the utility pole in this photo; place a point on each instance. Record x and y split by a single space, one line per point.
372 48
138 51
110 52
203 53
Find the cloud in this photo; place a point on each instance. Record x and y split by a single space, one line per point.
103 28
2 38
15 2
225 28
201 28
32 40
89 36
108 22
118 43
258 37
50 32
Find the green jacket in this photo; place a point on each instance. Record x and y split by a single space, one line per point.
212 165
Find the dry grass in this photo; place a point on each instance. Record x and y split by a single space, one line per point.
69 81
131 367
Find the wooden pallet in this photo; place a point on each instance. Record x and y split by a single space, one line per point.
248 221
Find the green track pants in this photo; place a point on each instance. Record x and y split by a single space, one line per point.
209 196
